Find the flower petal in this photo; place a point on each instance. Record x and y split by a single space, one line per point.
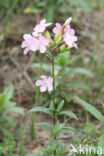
43 88
24 44
34 44
57 28
35 34
50 80
48 24
67 28
27 36
42 48
58 25
43 77
43 21
75 45
39 83
50 87
68 21
26 50
54 30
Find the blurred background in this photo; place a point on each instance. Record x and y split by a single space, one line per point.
86 74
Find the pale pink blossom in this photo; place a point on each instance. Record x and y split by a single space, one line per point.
41 27
45 83
43 42
68 33
57 28
29 43
70 39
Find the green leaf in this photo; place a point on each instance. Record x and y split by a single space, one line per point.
101 144
7 132
46 126
63 59
91 109
81 3
75 58
22 151
32 127
52 144
37 155
8 105
67 129
70 114
2 100
50 13
11 107
17 110
46 151
78 70
33 9
60 128
40 109
43 66
78 84
56 128
60 105
9 92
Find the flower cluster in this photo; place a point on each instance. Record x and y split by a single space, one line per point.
41 39
68 34
37 41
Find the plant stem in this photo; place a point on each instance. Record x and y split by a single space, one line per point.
53 75
54 107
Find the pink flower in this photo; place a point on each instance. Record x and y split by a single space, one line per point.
40 27
57 28
43 42
70 39
68 34
45 83
29 43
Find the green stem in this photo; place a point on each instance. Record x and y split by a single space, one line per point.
54 107
53 75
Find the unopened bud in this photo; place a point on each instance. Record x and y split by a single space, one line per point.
67 22
62 48
56 71
48 36
58 35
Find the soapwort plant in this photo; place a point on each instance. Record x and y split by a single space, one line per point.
61 40
52 45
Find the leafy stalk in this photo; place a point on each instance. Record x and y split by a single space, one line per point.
53 75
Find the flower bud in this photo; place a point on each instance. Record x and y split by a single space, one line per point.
67 22
56 71
48 36
58 35
62 48
58 41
